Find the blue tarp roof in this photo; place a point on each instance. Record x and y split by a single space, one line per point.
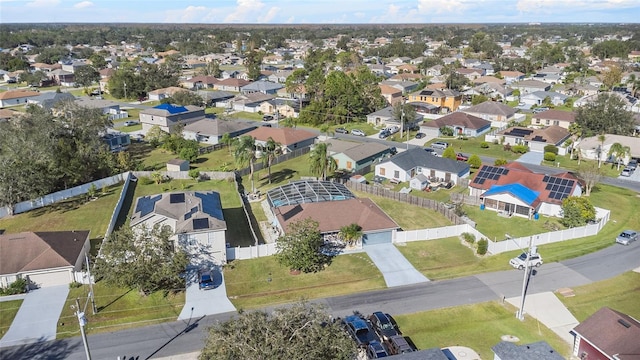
522 192
172 109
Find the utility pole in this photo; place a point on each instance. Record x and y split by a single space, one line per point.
125 91
91 294
82 320
527 269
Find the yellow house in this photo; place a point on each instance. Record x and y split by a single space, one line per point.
284 108
445 98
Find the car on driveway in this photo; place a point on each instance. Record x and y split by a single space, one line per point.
393 129
420 135
521 261
633 164
359 329
382 325
358 132
341 130
205 280
461 157
267 118
440 145
627 237
430 151
384 134
130 123
627 171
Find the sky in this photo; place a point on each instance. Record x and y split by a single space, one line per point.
319 11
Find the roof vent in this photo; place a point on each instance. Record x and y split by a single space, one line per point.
624 323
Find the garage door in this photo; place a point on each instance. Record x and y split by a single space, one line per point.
377 238
50 278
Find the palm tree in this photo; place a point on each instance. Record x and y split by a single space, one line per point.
269 153
320 162
351 234
619 151
245 154
602 139
227 140
576 132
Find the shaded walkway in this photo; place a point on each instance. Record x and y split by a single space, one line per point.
395 268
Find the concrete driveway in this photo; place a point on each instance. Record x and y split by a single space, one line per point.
37 319
395 268
531 158
199 303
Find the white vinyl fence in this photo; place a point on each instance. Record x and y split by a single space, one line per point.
251 252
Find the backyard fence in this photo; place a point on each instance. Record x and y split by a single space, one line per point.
259 165
251 252
434 233
184 175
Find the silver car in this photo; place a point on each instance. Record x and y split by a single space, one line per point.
627 237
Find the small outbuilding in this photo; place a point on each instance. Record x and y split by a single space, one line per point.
177 165
419 182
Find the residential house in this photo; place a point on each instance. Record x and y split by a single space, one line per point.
535 139
516 190
540 350
48 100
281 108
164 93
48 258
470 74
108 107
489 79
607 334
229 74
579 89
435 70
448 100
210 131
289 139
407 164
407 68
385 117
402 85
359 158
62 77
498 113
423 108
406 77
391 94
72 66
592 148
200 82
8 114
168 116
231 84
261 86
485 67
630 103
461 123
216 98
16 97
195 217
512 76
493 91
106 73
554 117
250 102
537 98
528 86
280 76
45 68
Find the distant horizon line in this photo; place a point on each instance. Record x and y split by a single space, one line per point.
327 24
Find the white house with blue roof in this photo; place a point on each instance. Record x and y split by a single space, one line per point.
167 116
195 217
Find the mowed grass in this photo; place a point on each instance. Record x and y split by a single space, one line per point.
118 309
156 158
620 293
478 326
72 214
471 146
496 227
263 281
8 311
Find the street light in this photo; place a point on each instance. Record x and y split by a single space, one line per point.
82 320
125 90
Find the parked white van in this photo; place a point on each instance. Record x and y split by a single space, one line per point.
440 145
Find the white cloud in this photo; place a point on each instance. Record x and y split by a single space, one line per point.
583 5
244 11
43 3
442 6
191 13
83 4
270 15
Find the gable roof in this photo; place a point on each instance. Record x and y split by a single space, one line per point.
233 82
284 136
540 350
262 85
459 119
16 94
553 134
553 114
218 127
612 332
415 157
491 108
193 210
444 93
365 150
30 251
168 90
204 79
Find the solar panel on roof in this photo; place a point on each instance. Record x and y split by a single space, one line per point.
200 223
211 204
564 181
548 187
481 181
146 204
545 178
176 198
570 183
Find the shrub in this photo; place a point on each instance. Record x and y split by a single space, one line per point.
551 148
446 131
469 237
483 245
519 149
549 156
500 162
194 174
474 161
17 287
506 147
484 145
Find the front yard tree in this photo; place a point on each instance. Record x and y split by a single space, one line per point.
245 154
404 114
184 98
320 162
606 115
474 161
449 153
144 260
577 211
301 331
351 233
591 174
300 248
85 76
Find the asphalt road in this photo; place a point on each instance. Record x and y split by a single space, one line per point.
188 336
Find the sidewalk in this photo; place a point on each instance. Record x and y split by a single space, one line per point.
550 311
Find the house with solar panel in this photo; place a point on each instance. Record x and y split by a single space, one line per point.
515 190
168 116
195 217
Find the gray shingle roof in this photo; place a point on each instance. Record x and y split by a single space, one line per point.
492 108
540 350
412 158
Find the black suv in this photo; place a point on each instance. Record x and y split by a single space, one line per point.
382 325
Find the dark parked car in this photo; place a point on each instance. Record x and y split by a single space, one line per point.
633 164
393 150
376 350
205 280
384 134
420 135
342 130
267 118
430 151
359 330
382 325
266 125
398 345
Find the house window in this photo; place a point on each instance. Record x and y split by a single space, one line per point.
396 174
556 122
349 165
547 122
537 121
382 171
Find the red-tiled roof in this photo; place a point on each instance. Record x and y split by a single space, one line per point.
459 119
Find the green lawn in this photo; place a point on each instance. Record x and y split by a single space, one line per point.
156 158
572 165
619 293
8 311
118 309
478 327
263 281
472 146
495 227
72 214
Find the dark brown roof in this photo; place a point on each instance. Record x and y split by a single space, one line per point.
333 215
459 118
612 332
30 251
556 115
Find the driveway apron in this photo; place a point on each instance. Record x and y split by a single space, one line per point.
38 316
397 270
199 303
531 158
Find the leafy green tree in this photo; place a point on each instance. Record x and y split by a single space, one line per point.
85 76
449 153
577 211
474 161
478 99
446 131
591 174
269 153
320 162
156 136
404 114
227 140
295 82
607 114
183 98
301 247
189 151
245 154
612 77
34 78
253 60
194 174
351 233
144 259
98 61
300 331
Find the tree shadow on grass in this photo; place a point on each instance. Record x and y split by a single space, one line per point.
122 218
278 176
100 308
